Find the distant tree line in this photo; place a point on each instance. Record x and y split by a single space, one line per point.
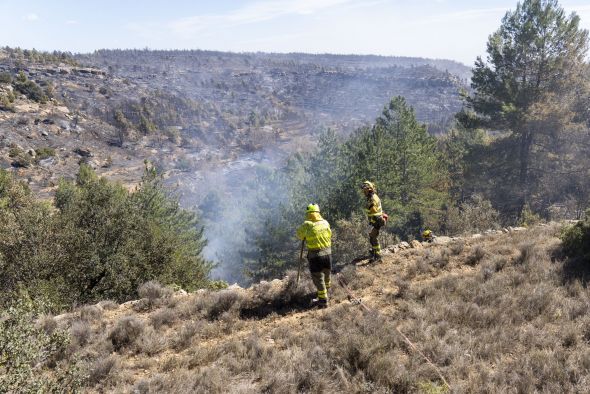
28 56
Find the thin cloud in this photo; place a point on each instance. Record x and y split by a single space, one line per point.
471 14
252 13
456 17
72 22
31 17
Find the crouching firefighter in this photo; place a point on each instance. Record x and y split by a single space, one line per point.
316 233
428 236
377 218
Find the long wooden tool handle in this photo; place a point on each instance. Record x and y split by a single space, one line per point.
300 261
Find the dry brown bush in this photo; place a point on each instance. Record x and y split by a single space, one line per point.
152 294
151 342
355 278
101 368
185 335
153 291
221 302
80 333
163 317
90 313
441 259
457 247
422 265
126 332
476 255
46 323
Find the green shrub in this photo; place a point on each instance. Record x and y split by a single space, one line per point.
5 77
31 357
29 88
123 239
20 158
528 217
6 103
44 153
183 164
576 238
101 241
472 216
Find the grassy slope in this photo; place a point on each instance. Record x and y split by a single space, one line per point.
495 314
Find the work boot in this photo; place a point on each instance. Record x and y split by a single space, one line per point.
320 303
376 258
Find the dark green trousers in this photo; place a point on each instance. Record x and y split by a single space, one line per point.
321 270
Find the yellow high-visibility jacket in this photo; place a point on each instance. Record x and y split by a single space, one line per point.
315 231
373 207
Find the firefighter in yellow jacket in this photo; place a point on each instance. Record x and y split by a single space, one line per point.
317 234
376 218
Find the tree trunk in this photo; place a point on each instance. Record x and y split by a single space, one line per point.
526 139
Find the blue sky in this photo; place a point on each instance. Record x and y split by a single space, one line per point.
451 29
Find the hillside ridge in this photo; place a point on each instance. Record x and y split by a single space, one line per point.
201 332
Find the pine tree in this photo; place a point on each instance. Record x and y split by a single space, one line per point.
535 61
399 155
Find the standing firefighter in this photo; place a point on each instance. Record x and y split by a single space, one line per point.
318 238
376 218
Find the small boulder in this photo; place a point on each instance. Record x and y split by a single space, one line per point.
416 244
129 303
442 240
404 245
393 248
48 162
84 152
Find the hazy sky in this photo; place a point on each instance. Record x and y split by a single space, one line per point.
451 29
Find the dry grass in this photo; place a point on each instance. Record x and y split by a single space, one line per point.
494 314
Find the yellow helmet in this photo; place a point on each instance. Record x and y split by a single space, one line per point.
312 208
368 186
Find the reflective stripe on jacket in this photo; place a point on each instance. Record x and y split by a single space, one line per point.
316 232
373 207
